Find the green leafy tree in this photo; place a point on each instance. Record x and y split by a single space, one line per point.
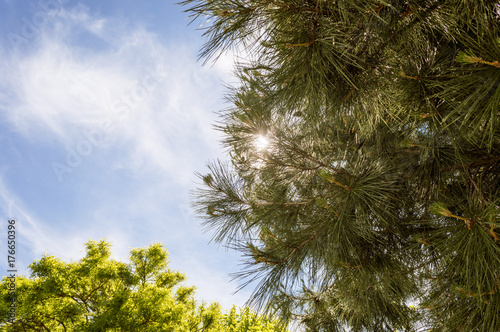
98 293
364 180
247 321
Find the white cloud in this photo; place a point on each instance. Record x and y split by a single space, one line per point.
61 90
158 102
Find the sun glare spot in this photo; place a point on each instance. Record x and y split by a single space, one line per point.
261 142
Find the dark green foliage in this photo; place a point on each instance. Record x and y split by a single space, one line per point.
379 187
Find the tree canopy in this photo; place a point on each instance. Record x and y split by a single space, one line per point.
98 293
363 186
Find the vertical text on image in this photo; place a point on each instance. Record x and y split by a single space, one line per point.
11 271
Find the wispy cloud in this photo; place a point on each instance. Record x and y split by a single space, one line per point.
135 90
127 117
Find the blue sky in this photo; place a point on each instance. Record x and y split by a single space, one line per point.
105 116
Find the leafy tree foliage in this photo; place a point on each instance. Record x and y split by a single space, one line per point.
98 293
379 186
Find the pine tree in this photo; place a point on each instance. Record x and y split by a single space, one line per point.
364 181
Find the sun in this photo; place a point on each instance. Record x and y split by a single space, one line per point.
261 142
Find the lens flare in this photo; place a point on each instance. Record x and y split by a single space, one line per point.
261 142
